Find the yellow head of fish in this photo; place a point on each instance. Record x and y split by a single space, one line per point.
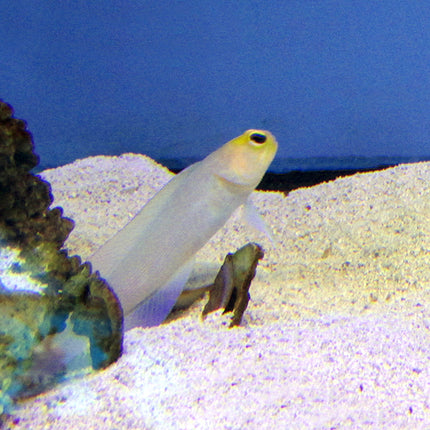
245 159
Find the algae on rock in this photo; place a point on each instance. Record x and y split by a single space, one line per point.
68 298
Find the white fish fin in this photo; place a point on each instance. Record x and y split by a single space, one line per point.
154 310
255 220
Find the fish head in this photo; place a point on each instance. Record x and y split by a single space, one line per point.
245 159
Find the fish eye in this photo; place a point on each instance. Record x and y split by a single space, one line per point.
258 137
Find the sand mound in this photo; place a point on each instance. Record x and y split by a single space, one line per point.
336 333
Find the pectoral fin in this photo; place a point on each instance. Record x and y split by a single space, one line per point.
154 310
255 220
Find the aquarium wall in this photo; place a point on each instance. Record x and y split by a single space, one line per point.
175 80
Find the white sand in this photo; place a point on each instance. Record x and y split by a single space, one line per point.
337 333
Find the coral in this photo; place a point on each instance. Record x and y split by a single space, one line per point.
25 198
60 298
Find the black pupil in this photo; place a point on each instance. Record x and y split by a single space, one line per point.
258 138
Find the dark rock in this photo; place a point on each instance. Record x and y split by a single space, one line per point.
231 286
73 301
25 217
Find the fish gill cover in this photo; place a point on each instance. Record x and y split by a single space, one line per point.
44 293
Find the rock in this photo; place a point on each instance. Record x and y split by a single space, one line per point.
48 300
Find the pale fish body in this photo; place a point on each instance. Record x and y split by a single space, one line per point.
148 262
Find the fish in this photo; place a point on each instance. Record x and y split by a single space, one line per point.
148 262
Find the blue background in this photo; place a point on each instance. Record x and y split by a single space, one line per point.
176 79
